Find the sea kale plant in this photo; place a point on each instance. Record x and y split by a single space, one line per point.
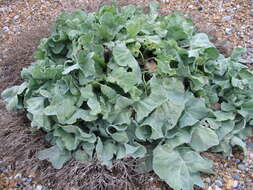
122 83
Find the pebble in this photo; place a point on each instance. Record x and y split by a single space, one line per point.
229 184
251 156
235 184
16 17
208 180
235 176
6 29
39 187
217 188
251 14
219 183
229 31
242 167
18 176
226 18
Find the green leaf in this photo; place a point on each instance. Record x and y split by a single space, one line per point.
123 57
236 141
54 155
80 155
10 96
170 90
203 138
180 164
195 110
124 79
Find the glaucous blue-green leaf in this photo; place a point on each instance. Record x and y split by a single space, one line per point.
35 106
127 150
161 91
223 116
63 107
177 27
10 96
81 155
80 135
69 140
203 138
124 79
236 141
56 156
179 163
182 136
165 117
195 110
123 57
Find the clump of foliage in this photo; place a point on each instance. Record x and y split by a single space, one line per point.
121 83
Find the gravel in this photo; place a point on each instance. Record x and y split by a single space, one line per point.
10 180
235 184
242 167
6 29
219 183
250 145
226 18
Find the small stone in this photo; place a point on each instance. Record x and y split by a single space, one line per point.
235 184
208 180
24 180
17 185
39 187
6 29
235 176
16 17
251 14
226 18
18 176
3 168
219 183
217 188
242 167
237 161
250 145
251 156
239 188
229 184
228 31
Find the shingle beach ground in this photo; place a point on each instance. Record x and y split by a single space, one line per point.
24 22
